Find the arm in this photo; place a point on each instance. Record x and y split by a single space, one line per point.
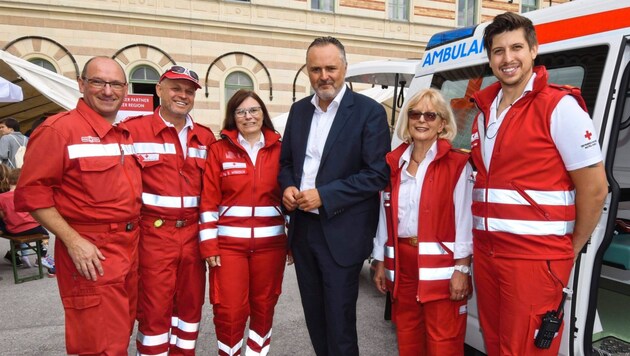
209 210
85 255
378 252
462 200
4 147
591 189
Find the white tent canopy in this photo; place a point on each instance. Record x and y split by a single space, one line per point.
9 92
44 91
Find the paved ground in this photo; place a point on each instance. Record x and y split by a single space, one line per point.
32 319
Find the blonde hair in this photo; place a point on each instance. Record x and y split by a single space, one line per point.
435 98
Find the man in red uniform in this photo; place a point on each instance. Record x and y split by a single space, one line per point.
172 272
538 193
81 181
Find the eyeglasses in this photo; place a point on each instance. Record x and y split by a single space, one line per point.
182 70
429 116
253 111
100 84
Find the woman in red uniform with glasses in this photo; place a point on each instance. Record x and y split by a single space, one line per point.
242 232
423 245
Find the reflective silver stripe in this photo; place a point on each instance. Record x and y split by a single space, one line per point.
246 211
541 197
174 321
249 352
93 150
230 351
185 344
169 202
173 339
435 274
154 147
434 248
209 216
478 223
207 234
246 232
128 149
528 227
197 152
187 327
389 274
389 251
260 340
152 340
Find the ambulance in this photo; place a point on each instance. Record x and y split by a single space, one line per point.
586 44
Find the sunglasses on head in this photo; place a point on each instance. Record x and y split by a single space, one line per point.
429 116
182 70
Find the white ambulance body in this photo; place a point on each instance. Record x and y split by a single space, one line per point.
584 43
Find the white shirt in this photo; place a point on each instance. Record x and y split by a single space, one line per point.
252 152
569 124
183 134
409 196
320 127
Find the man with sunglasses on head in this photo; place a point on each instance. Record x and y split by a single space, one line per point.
81 181
172 272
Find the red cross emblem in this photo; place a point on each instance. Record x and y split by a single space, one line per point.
588 135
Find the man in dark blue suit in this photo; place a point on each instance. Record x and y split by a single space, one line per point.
332 169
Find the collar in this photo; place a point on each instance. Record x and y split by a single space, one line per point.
259 143
528 87
406 156
94 119
335 103
158 123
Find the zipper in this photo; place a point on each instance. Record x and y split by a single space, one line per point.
531 201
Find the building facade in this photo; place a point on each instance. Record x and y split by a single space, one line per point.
257 44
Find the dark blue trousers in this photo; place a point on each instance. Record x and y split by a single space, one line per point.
329 291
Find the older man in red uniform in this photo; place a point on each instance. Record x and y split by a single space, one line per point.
81 180
172 272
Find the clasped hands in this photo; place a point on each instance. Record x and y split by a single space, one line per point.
306 200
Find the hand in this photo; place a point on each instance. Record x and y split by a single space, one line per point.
86 258
288 198
289 259
459 286
308 200
214 261
379 276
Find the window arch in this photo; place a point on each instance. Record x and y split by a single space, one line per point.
44 64
143 79
235 81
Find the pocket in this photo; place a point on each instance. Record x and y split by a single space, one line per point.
84 324
530 200
100 177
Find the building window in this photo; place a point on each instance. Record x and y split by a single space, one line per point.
466 13
142 81
236 81
529 5
44 64
399 10
323 5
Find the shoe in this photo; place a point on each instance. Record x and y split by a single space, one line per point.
51 272
48 262
7 257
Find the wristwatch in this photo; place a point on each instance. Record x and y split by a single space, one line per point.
462 268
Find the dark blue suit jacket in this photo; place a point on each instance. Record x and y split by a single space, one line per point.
351 173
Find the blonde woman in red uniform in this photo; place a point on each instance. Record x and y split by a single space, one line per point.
423 244
242 233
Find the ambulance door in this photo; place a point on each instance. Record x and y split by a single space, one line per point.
606 328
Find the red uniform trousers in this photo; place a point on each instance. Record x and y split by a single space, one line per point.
435 328
100 314
512 296
172 287
248 284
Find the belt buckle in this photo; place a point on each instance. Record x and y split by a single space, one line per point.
180 223
413 241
